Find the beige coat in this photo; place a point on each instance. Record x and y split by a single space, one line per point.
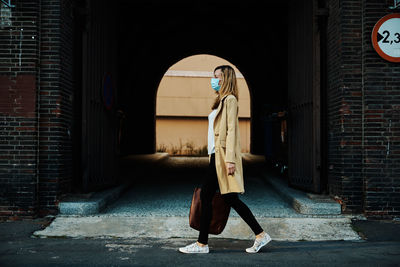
227 145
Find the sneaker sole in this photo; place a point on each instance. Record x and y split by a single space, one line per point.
268 240
187 252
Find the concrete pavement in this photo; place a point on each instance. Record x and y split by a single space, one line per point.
125 227
159 207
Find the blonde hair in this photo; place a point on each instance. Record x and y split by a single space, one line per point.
228 84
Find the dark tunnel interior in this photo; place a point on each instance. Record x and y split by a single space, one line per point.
153 35
133 43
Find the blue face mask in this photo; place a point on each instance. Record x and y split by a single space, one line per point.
214 84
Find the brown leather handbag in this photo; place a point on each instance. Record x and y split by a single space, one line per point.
220 212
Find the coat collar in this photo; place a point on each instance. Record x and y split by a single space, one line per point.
219 106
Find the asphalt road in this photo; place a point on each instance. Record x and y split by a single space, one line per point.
18 248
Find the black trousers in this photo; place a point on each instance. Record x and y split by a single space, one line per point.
208 189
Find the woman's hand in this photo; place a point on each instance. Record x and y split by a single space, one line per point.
230 168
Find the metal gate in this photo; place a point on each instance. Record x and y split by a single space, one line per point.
99 118
304 136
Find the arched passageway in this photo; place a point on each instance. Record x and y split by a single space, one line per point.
282 62
152 39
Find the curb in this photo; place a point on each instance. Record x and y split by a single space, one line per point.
302 202
78 205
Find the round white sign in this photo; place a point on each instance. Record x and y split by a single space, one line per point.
386 37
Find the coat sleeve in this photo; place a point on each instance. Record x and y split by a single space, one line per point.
231 113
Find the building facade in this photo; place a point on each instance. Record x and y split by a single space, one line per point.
79 79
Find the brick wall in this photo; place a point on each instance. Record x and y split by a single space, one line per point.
18 117
55 104
335 161
381 121
344 101
35 107
363 99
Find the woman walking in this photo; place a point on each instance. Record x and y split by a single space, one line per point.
225 171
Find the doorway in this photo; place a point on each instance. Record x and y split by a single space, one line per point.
284 72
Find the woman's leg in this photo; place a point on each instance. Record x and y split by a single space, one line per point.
208 189
233 200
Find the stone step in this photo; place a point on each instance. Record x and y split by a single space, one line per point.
302 202
91 203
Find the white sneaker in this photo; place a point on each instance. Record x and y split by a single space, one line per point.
259 243
194 248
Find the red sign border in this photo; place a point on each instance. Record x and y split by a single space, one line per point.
375 41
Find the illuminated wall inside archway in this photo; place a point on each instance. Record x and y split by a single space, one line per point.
184 100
